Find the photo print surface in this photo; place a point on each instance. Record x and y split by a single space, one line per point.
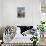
21 12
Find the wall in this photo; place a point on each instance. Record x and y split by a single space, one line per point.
1 17
9 12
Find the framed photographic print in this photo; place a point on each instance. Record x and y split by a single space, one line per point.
21 12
